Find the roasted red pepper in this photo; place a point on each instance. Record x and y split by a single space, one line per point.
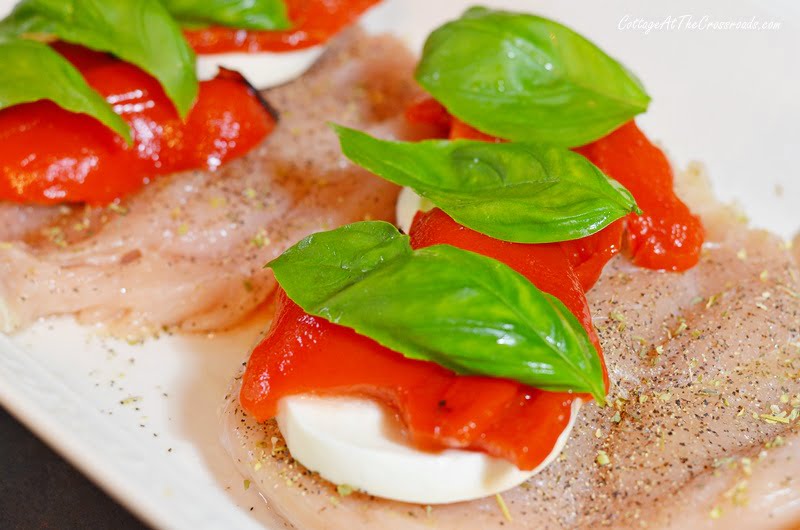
666 237
313 22
49 155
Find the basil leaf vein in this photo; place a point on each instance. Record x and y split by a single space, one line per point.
263 15
33 71
519 191
466 312
527 78
141 32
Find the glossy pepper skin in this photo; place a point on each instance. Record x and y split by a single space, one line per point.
667 236
49 155
313 22
303 353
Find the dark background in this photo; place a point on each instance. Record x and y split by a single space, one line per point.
38 489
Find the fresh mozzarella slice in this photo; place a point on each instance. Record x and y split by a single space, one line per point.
264 69
408 204
357 442
6 7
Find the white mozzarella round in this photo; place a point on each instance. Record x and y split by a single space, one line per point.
263 69
6 7
356 441
408 204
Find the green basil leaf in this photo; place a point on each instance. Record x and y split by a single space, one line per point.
31 71
333 261
524 77
141 32
264 15
466 312
519 191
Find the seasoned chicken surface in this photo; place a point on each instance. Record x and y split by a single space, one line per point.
702 431
189 250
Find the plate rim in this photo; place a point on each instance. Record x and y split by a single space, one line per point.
70 423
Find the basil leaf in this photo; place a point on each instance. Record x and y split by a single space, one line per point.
521 192
141 32
31 71
265 15
466 312
524 77
333 261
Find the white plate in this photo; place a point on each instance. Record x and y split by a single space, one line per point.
141 420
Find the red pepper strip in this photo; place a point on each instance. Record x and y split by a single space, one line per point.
428 111
49 155
667 236
82 58
589 255
459 129
314 22
304 354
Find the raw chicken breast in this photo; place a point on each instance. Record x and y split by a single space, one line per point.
16 221
189 250
702 431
